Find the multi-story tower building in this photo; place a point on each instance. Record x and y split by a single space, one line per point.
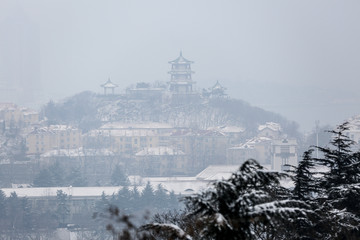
181 81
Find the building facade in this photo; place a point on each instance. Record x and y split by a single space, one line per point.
54 137
285 153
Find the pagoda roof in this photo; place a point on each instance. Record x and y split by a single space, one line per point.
181 60
218 86
109 84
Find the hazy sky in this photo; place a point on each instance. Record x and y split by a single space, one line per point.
297 58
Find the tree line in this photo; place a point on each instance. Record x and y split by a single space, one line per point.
24 218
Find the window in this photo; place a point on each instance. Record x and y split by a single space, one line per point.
285 149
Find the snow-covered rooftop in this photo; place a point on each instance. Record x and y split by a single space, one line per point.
180 185
217 172
145 125
54 128
180 60
218 86
184 186
252 142
29 112
51 192
228 129
192 132
109 84
78 152
159 151
133 133
271 125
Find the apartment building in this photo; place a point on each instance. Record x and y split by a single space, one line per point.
160 161
270 130
258 148
15 117
129 138
53 137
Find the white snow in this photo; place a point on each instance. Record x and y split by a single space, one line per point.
271 125
159 151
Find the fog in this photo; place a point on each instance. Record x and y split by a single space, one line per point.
296 58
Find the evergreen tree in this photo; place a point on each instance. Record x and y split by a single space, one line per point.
76 179
135 199
339 159
147 195
44 179
241 207
62 208
173 201
123 199
14 212
27 215
2 205
306 184
160 197
103 204
341 186
119 178
58 175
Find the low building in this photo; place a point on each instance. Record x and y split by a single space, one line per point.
146 91
54 137
161 161
234 133
204 147
270 130
285 153
258 148
16 117
129 138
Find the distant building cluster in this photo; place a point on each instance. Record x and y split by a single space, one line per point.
179 89
13 116
158 149
146 147
149 148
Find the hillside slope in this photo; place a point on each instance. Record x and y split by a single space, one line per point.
88 110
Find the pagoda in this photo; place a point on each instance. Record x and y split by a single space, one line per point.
217 90
181 81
